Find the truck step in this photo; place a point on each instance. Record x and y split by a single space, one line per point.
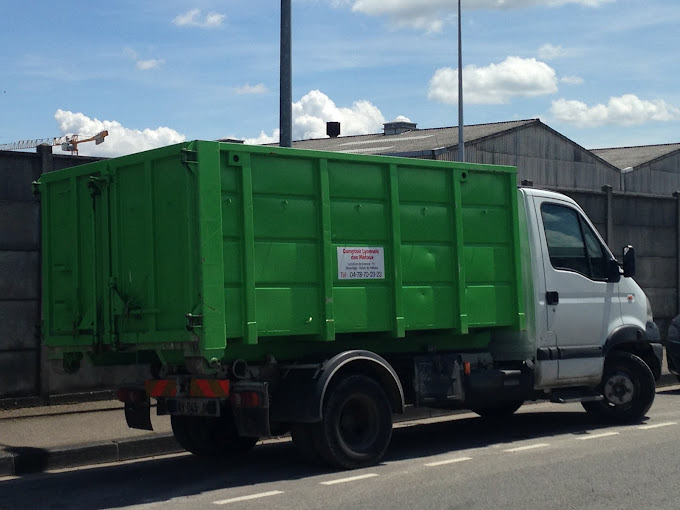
573 396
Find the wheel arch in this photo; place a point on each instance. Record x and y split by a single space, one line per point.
637 341
365 363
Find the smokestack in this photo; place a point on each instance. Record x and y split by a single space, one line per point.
333 129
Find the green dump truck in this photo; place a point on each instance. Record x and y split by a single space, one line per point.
275 290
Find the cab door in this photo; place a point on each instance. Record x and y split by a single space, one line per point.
581 305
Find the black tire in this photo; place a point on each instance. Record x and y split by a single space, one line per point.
357 424
497 410
303 435
671 366
628 388
210 437
180 429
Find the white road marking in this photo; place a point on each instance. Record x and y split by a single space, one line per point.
597 436
530 447
450 461
246 498
349 479
657 425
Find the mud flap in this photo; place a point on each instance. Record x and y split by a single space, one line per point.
138 415
250 405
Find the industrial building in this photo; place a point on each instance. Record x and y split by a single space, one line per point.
542 155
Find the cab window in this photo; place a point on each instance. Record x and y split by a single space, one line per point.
572 244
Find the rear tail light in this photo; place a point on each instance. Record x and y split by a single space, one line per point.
131 395
246 399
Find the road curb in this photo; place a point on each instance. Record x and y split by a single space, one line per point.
25 460
7 403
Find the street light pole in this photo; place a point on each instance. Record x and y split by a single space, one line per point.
286 78
461 138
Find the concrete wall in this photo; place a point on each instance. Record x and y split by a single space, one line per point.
24 367
19 274
650 225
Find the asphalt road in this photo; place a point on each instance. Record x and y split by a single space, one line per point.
547 456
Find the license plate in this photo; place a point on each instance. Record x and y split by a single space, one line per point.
193 407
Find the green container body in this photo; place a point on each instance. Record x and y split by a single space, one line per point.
227 251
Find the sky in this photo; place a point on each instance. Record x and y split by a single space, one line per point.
604 73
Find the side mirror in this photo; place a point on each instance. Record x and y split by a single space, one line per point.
613 271
628 261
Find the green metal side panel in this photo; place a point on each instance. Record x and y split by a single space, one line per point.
448 235
263 250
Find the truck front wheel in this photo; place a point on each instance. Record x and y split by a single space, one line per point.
628 389
357 424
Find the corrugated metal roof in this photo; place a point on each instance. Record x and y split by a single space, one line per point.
624 157
414 141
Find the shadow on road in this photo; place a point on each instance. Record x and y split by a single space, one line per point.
165 479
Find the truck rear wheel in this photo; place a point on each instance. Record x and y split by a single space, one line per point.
210 437
628 389
357 424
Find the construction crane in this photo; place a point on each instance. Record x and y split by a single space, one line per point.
68 142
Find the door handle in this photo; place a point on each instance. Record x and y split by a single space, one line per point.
552 298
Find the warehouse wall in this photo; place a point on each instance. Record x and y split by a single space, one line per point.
544 157
660 177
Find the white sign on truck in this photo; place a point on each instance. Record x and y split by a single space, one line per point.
361 263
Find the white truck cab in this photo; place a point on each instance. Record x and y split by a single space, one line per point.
586 310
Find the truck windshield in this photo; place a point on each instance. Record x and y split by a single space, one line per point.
572 244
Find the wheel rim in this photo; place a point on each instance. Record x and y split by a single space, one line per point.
358 426
619 389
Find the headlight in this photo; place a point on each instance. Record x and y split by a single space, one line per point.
650 316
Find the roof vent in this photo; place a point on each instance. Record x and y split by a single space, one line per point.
333 129
398 127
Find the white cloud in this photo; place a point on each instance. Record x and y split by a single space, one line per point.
193 18
145 65
251 89
572 80
264 138
314 109
495 83
627 110
431 15
120 141
549 52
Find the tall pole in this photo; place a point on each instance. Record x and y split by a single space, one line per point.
461 138
286 78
